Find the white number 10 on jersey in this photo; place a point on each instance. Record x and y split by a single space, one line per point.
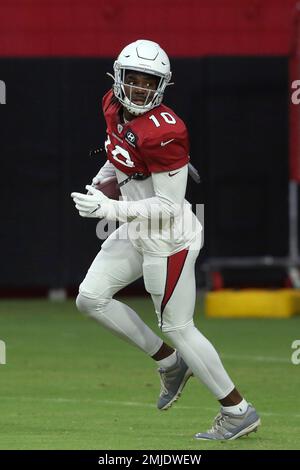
119 152
166 116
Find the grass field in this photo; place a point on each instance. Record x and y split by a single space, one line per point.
69 384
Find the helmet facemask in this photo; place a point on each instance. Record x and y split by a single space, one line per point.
144 57
126 98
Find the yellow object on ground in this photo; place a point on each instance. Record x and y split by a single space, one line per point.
255 303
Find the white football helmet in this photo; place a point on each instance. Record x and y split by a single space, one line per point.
146 57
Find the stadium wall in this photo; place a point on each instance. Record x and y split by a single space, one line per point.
185 28
236 109
230 63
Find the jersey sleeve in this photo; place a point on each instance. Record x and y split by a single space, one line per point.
166 152
167 203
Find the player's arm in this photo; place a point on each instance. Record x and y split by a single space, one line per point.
166 156
168 201
168 165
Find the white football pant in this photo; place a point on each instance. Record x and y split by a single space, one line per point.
171 284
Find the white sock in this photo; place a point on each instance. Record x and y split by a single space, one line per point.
168 362
239 409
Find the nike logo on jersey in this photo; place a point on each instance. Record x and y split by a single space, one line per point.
173 174
165 143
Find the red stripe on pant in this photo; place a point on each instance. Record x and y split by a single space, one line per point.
175 266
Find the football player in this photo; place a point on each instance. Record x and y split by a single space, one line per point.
148 150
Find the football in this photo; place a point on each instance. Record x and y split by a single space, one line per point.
109 186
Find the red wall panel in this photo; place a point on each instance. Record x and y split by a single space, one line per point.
183 27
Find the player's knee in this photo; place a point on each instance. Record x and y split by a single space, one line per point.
90 306
176 331
83 303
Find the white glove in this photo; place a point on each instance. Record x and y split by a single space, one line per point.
97 179
89 205
105 171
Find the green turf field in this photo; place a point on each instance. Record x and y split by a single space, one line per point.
69 384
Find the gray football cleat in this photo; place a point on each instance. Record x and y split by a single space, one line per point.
172 382
228 426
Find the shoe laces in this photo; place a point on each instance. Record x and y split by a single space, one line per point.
163 381
219 420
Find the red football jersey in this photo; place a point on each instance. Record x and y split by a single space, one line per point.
154 142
